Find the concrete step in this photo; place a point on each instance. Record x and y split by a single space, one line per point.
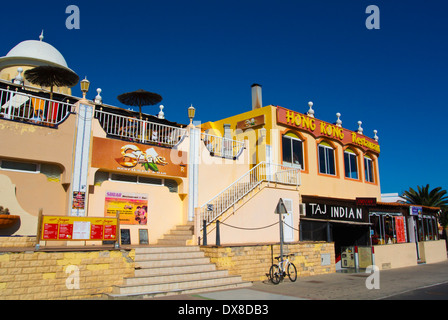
172 242
165 249
171 263
159 271
179 277
156 294
176 286
168 256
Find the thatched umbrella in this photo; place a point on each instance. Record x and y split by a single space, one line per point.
50 76
139 98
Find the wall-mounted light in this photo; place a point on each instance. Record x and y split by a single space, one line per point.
191 113
85 84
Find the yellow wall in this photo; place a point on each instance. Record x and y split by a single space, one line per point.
165 208
313 183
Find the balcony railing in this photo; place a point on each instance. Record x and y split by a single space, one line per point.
222 147
262 172
137 130
15 105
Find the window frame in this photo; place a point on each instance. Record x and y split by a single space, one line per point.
20 162
350 153
326 147
292 137
369 169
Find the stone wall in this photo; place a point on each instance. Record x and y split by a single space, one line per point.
63 275
252 262
17 242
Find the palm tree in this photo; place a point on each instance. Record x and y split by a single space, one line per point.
434 198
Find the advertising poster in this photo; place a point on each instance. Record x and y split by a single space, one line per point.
400 229
132 208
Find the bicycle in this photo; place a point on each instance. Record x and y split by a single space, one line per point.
278 272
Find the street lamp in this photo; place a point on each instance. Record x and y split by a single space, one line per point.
191 113
85 84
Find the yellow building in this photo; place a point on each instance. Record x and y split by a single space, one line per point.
339 197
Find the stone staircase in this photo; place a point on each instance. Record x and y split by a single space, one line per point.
181 235
172 270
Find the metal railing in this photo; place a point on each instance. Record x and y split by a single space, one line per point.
222 147
263 171
137 130
15 105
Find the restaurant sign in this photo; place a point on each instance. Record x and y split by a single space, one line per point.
135 158
335 212
319 128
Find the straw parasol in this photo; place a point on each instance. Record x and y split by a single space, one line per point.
139 98
50 76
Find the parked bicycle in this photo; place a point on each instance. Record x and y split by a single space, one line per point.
278 272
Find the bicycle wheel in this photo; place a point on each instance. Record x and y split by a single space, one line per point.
274 274
292 272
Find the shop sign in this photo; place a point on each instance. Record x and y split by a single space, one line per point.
250 123
137 158
415 211
335 212
319 128
366 202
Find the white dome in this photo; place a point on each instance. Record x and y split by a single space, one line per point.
38 50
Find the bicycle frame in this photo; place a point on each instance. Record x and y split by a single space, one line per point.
284 268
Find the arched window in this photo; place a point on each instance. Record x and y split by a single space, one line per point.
351 164
326 159
368 169
292 150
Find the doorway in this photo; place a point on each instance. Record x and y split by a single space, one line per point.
346 237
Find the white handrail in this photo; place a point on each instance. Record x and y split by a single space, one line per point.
140 130
15 105
222 147
263 171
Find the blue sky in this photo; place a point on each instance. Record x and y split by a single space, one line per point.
209 53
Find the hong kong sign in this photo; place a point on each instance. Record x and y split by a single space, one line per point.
319 128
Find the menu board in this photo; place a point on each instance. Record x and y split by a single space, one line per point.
78 228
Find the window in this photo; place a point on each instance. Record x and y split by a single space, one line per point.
351 164
326 159
427 227
101 176
387 228
292 150
19 166
368 169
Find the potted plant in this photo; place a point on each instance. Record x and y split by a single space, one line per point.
6 219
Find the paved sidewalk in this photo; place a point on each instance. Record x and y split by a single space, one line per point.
336 286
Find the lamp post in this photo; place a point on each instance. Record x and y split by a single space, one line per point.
85 84
191 113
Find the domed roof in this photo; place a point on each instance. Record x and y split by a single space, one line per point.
38 50
33 53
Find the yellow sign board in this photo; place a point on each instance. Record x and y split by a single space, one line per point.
78 228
